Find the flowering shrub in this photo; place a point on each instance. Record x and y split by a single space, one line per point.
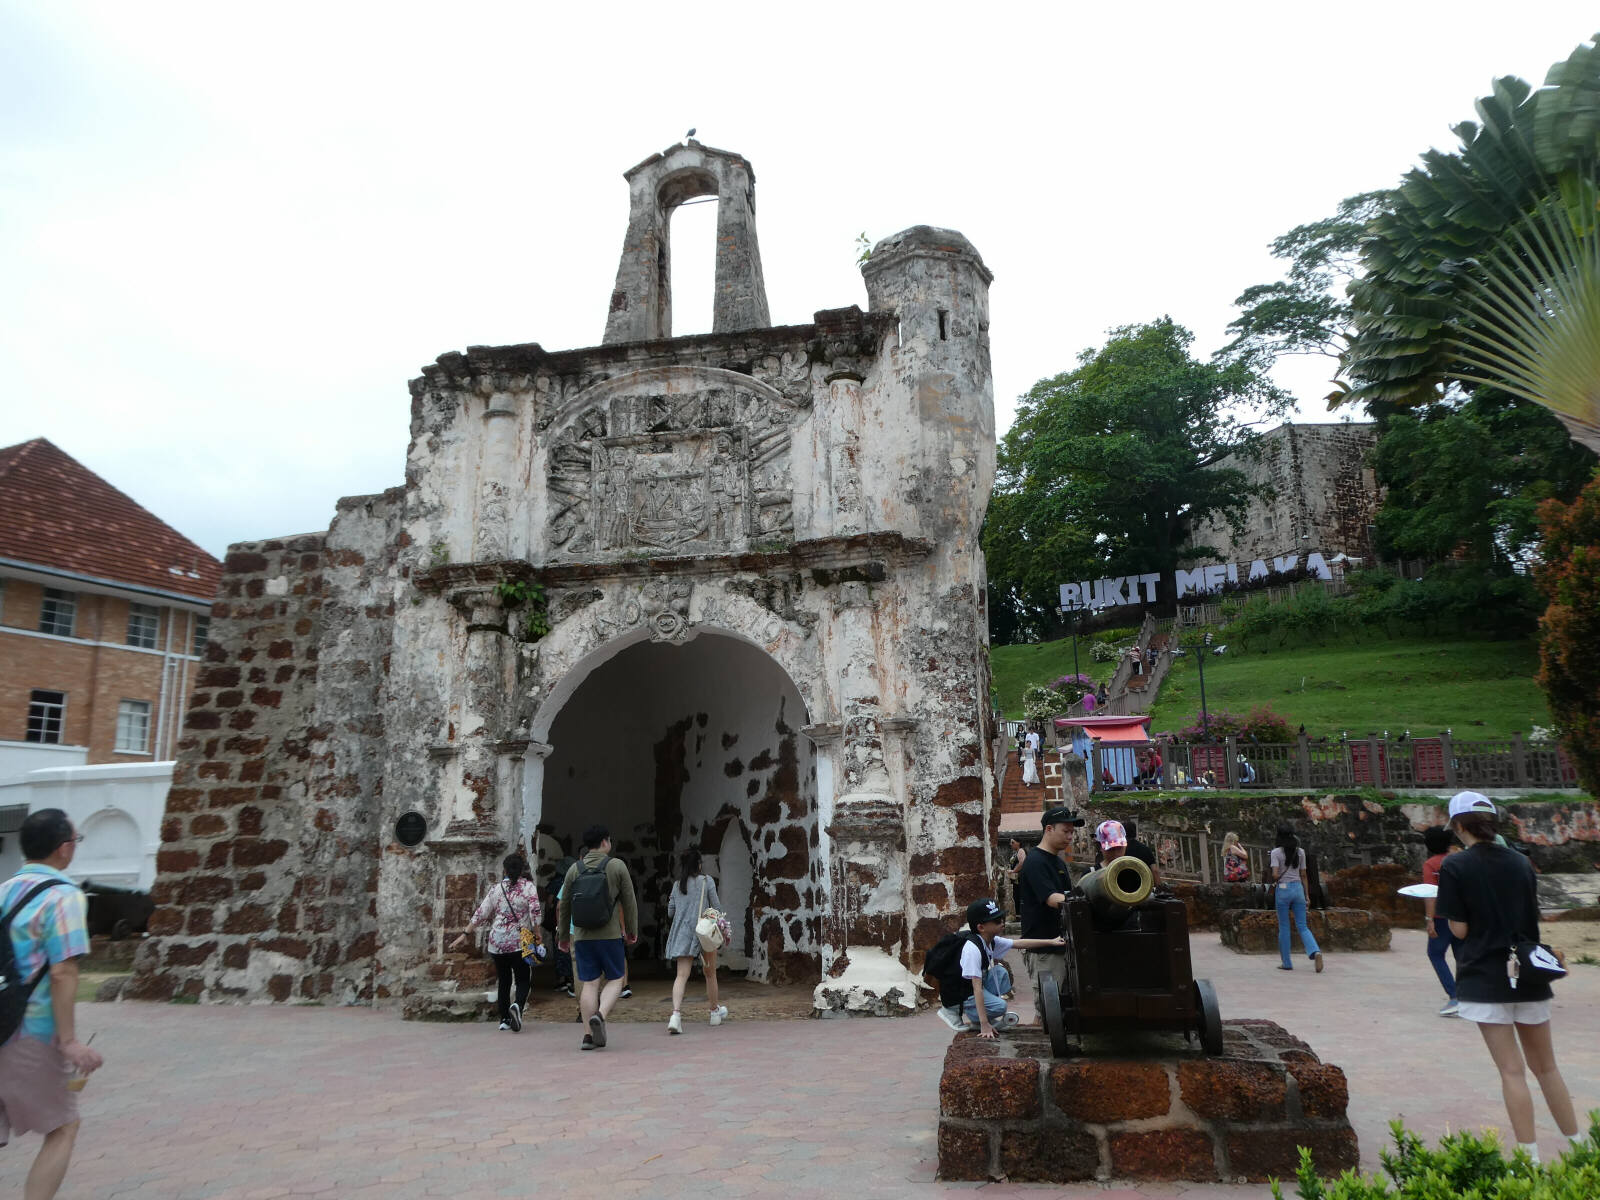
1039 703
1260 723
1073 686
1569 633
1103 652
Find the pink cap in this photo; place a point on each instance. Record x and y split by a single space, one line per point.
1110 833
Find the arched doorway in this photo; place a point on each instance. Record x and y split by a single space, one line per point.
696 744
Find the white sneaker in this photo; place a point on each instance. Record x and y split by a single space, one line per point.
953 1018
504 1025
675 1023
719 1014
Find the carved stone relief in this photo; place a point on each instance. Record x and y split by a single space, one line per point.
672 462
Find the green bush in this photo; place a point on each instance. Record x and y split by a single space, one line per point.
1466 1166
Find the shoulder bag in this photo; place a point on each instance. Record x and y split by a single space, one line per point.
711 926
1533 961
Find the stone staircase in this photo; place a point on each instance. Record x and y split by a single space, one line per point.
1020 806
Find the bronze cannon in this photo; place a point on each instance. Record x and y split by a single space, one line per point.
1127 964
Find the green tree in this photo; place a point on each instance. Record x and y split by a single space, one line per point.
1107 465
1484 265
1469 475
1306 312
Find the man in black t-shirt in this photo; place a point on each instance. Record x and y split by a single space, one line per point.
1042 887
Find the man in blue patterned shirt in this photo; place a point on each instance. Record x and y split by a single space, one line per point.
48 934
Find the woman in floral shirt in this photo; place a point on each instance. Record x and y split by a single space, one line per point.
510 906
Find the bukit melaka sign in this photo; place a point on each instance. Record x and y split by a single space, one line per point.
1198 582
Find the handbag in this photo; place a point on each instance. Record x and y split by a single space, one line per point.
712 926
1533 961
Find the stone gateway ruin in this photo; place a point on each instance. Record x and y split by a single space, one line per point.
721 591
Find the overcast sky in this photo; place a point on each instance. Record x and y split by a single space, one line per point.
230 234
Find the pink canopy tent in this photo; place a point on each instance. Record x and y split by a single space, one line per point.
1117 738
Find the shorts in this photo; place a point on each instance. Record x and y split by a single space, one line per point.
1522 1012
597 957
33 1089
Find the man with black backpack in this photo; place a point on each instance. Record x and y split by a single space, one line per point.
596 887
42 917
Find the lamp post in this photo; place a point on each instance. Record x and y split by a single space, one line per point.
1205 720
1077 625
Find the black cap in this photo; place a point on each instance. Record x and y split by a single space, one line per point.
980 911
1059 815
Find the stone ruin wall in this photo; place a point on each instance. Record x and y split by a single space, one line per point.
1322 486
269 856
844 469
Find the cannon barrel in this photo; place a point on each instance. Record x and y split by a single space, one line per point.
1116 887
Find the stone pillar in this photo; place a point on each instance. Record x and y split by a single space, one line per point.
865 929
478 769
492 528
845 420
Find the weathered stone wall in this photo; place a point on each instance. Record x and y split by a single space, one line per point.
268 869
1325 496
1346 831
1348 930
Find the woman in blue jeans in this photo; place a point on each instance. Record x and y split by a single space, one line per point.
1288 866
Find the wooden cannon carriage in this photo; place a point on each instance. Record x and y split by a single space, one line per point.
1127 965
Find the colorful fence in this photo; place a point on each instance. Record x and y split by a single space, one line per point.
1437 762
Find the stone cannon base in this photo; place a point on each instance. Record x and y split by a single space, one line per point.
1255 930
1148 1109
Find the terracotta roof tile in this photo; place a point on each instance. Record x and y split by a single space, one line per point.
55 512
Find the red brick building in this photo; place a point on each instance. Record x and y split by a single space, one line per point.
103 615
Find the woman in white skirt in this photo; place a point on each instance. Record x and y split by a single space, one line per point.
690 896
1030 759
1489 896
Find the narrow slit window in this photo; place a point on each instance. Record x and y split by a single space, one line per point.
944 325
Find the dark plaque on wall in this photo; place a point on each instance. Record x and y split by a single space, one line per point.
411 828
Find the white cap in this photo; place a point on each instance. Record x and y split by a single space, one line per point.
1471 802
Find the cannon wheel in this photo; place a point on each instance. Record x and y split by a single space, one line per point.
122 929
1205 997
1054 1024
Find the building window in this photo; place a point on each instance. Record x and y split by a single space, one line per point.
144 623
202 631
57 612
46 711
133 727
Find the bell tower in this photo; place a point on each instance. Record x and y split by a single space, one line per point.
641 302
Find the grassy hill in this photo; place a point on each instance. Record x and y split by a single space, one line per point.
1478 688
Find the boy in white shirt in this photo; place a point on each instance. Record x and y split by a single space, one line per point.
987 1006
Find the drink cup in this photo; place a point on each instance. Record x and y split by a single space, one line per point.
75 1079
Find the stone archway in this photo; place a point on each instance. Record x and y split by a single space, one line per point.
672 746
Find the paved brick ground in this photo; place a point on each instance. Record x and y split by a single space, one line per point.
348 1103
